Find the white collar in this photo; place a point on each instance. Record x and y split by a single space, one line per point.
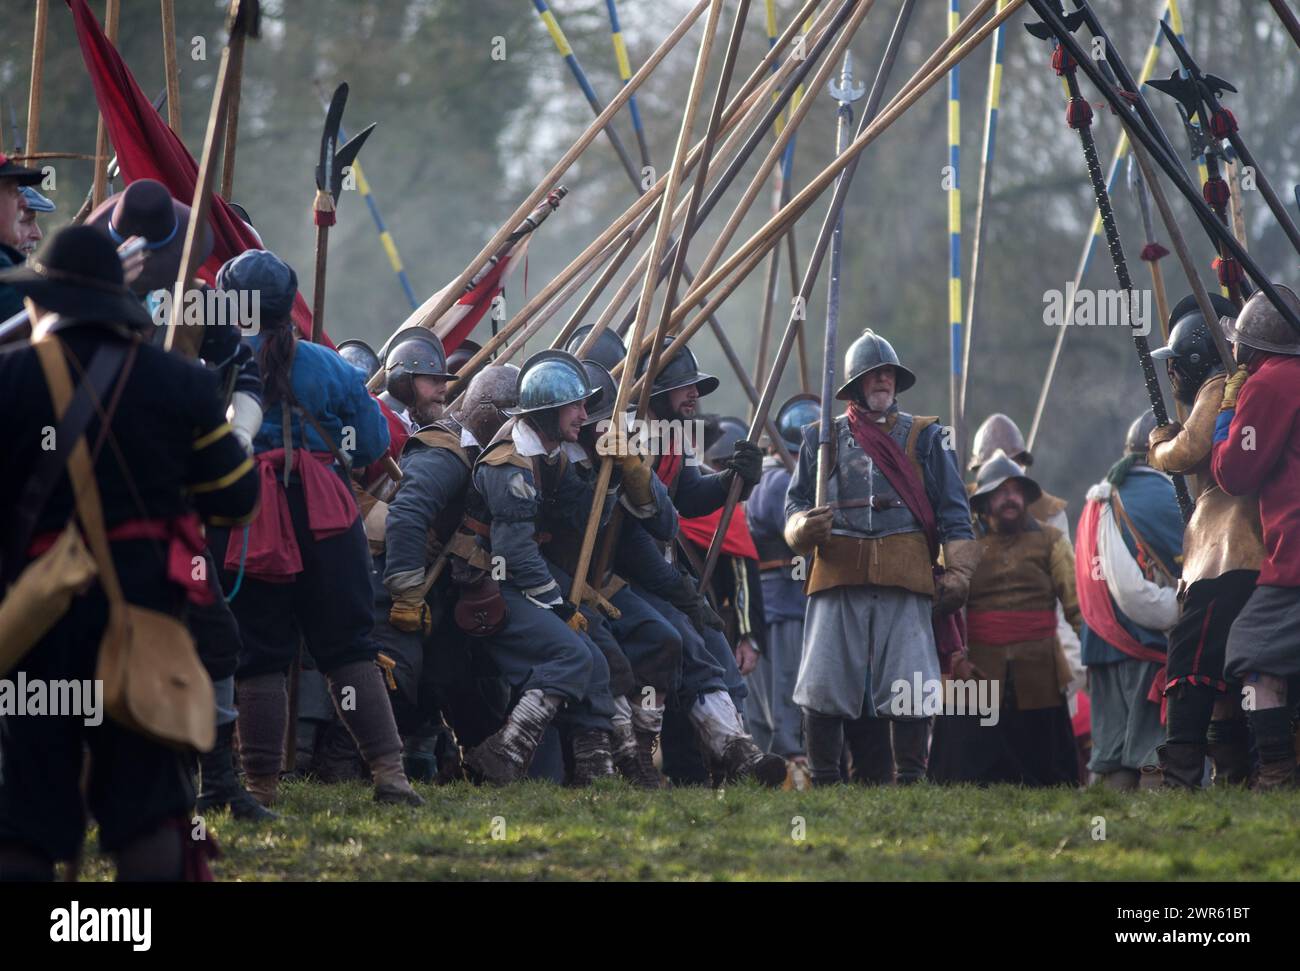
467 439
528 443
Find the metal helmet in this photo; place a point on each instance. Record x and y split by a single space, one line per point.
1190 352
997 470
725 432
796 415
419 352
598 376
868 352
1135 441
482 408
1260 325
679 371
360 355
998 432
552 379
463 352
608 350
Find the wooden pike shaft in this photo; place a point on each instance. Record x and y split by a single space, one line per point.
657 246
692 205
846 162
101 132
1179 243
454 291
1238 212
318 284
190 338
1288 18
953 49
38 75
232 119
746 102
170 66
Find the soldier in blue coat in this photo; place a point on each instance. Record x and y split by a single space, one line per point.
530 488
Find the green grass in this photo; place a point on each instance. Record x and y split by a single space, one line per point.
611 832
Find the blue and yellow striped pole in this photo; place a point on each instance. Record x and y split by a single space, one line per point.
986 168
1095 233
624 75
579 75
385 237
954 221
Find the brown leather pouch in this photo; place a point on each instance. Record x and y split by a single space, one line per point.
42 594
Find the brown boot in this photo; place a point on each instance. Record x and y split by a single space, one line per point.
591 757
1229 748
504 756
1121 780
263 701
368 715
1276 746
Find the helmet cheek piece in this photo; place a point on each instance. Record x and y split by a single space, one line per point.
401 387
546 422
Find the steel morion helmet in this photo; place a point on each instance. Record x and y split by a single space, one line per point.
722 437
419 352
360 355
608 350
598 376
463 352
868 352
484 405
998 432
795 415
997 470
679 371
1135 442
553 379
1260 325
1190 352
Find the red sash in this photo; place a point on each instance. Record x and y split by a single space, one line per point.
737 541
1095 603
183 536
999 627
273 554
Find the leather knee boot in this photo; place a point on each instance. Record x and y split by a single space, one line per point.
219 786
361 699
869 745
263 717
1230 750
824 739
1276 746
911 749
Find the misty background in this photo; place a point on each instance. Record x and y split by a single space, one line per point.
462 138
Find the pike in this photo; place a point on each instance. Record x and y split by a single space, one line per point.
1216 192
981 204
845 92
334 158
111 171
170 67
833 212
38 75
1202 91
243 20
745 102
1078 115
1152 252
1146 130
111 11
677 266
1288 18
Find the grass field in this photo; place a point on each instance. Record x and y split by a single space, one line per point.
536 831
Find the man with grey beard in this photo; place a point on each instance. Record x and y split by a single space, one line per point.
875 597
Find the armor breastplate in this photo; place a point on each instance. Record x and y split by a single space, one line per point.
858 480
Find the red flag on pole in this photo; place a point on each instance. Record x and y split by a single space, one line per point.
148 149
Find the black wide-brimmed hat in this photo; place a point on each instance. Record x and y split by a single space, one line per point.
145 208
21 174
77 274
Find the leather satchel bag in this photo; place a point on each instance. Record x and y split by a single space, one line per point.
38 596
153 680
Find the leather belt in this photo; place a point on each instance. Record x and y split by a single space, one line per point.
875 502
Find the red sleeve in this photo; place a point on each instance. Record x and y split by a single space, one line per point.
1256 438
397 437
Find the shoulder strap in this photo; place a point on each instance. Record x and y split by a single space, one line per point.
1143 546
441 438
85 489
71 426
